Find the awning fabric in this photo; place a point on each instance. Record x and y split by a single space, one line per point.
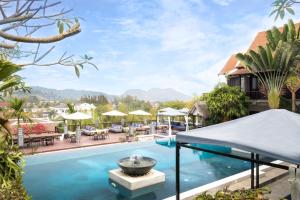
114 113
170 112
139 112
274 133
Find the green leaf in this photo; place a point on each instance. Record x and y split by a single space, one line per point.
61 28
77 71
291 11
282 13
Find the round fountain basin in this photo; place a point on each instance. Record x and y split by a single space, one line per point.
140 168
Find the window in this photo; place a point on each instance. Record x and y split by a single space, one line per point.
254 84
243 84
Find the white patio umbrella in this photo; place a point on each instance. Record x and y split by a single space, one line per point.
114 113
139 112
77 116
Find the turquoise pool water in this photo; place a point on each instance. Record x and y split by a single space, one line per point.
82 174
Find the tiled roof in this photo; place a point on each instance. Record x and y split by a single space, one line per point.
238 71
230 65
259 40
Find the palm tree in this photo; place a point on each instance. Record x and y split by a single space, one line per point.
272 67
17 110
9 82
293 85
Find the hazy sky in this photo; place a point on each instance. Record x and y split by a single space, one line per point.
143 44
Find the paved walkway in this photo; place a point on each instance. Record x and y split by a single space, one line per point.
274 179
84 142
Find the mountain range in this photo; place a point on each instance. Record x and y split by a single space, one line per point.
152 95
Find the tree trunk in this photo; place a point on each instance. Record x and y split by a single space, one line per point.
5 124
294 102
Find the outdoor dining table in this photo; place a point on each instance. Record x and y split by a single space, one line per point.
42 136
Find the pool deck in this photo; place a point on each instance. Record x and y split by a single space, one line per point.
85 141
274 179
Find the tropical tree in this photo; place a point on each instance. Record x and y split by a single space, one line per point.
280 7
71 108
17 110
293 85
20 26
9 82
226 103
177 104
272 67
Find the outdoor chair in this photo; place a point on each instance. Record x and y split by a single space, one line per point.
49 141
106 134
26 142
72 138
35 142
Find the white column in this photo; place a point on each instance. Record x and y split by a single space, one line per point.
20 137
78 134
186 122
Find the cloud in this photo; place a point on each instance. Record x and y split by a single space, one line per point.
223 2
181 44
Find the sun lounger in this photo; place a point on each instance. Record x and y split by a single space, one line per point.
88 130
116 128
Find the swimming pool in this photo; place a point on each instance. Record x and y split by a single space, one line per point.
82 174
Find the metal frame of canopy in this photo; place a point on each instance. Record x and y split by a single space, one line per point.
254 160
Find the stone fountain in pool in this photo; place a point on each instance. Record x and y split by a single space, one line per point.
136 172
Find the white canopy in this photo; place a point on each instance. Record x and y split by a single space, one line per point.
114 113
139 112
171 112
184 110
273 133
77 116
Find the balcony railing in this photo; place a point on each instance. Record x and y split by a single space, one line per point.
255 95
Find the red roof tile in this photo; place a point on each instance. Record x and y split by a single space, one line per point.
259 40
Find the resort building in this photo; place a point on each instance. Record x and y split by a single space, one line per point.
237 75
59 109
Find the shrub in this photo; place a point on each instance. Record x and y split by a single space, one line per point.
226 103
14 192
11 170
256 194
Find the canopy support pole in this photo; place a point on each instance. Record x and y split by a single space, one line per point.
177 171
253 161
257 170
252 171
